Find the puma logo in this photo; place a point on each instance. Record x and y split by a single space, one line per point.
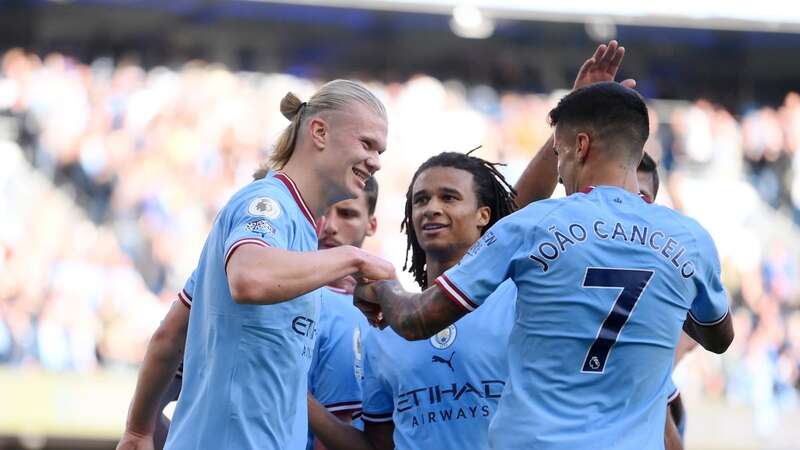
439 359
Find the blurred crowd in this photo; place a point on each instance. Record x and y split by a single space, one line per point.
150 156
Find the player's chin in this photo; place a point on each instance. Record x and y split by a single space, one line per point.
434 244
348 189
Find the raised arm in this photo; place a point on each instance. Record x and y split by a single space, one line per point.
164 354
412 316
259 274
539 179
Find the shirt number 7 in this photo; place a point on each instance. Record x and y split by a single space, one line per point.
632 283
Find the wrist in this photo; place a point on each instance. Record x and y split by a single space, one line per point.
355 259
138 432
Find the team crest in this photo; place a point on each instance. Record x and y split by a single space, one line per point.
264 206
444 338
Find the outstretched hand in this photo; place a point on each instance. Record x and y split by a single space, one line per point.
603 66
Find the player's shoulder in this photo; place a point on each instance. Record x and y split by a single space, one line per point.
266 198
530 215
681 223
554 207
542 207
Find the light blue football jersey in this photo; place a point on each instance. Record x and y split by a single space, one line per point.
442 392
299 434
335 374
246 366
605 282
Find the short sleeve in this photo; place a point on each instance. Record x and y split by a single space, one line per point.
261 217
710 305
185 295
378 404
485 266
333 371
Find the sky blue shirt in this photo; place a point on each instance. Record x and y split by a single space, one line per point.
245 366
605 282
336 372
441 392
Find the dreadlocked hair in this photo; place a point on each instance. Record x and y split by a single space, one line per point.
491 189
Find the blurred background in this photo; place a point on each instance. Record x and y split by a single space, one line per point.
125 125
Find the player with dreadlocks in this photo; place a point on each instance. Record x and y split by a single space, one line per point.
439 393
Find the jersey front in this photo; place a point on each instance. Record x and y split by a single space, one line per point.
335 374
605 282
246 366
441 393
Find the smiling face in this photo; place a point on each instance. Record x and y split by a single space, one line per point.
355 139
445 212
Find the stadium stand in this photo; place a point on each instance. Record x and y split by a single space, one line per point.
119 170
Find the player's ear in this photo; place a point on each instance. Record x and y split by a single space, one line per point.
583 141
372 226
484 216
318 129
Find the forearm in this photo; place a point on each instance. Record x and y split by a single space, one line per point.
344 417
333 433
416 316
259 275
540 177
158 369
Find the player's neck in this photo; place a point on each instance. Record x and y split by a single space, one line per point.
308 184
618 176
436 266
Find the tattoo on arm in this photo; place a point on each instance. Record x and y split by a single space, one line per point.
416 316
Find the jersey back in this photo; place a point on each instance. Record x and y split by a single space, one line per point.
605 282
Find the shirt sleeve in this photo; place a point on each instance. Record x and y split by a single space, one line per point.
260 217
334 382
378 403
672 390
185 295
486 265
710 305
